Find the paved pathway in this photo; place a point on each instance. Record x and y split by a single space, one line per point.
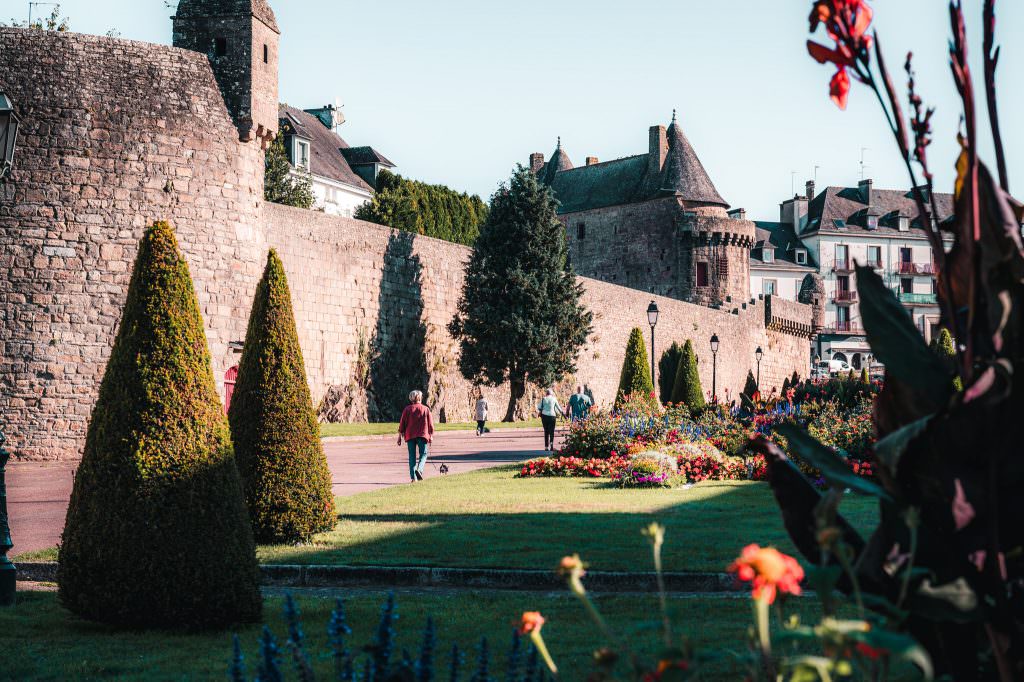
37 494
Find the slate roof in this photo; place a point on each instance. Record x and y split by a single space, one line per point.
684 174
214 8
780 236
327 148
627 180
360 156
843 210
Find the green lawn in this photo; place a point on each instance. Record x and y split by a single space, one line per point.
41 641
384 429
489 518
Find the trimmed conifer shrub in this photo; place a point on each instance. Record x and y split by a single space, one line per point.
864 378
156 533
273 424
668 366
750 386
686 388
636 373
943 346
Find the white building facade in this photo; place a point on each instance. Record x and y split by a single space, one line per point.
843 227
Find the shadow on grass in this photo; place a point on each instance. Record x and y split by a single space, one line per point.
703 533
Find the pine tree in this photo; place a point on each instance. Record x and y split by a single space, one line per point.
156 533
785 385
277 438
686 388
520 313
635 377
668 366
864 379
280 185
794 380
750 386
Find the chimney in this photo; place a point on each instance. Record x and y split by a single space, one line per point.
657 150
329 115
864 187
810 190
738 214
591 160
536 162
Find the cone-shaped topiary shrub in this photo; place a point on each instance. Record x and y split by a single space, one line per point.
668 367
943 346
157 533
750 385
636 373
277 438
686 388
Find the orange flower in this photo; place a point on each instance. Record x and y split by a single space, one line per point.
570 564
769 570
532 621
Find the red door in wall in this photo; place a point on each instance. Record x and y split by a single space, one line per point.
230 377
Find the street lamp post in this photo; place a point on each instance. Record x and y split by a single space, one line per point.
652 319
758 354
9 122
8 572
714 368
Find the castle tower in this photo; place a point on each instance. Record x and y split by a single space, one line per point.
714 248
241 39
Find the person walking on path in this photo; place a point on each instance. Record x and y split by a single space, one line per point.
417 428
481 414
579 405
549 410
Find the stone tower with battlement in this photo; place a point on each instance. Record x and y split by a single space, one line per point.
241 39
653 221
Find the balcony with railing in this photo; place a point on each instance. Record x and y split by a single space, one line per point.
843 297
916 299
908 268
845 327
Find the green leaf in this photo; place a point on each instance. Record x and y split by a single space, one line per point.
832 466
895 340
889 449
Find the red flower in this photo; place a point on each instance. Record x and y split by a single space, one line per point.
868 651
532 620
769 570
846 22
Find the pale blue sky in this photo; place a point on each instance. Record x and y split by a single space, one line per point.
458 91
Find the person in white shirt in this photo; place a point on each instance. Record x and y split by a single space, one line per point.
549 411
481 414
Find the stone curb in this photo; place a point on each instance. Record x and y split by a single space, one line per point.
283 575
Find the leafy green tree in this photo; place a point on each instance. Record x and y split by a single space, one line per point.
157 533
280 184
273 424
686 388
430 210
636 374
750 386
668 366
520 316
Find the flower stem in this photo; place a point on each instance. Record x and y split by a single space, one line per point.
542 649
666 623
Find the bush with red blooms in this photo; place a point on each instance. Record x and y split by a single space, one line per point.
582 467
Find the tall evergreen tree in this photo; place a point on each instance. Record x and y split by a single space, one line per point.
686 388
635 377
277 438
520 316
280 185
668 365
431 210
156 531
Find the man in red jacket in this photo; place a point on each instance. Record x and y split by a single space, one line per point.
417 428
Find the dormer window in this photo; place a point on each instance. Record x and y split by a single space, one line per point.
872 222
801 256
301 154
904 223
768 255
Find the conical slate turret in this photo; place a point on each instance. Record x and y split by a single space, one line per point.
684 175
559 162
